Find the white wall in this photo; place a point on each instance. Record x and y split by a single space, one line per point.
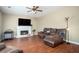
57 20
11 22
0 23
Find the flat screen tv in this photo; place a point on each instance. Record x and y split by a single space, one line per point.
24 22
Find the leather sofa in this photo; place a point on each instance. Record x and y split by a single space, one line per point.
9 49
50 31
52 36
43 33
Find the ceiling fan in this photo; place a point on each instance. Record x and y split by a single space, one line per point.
34 9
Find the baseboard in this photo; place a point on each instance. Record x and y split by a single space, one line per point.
74 42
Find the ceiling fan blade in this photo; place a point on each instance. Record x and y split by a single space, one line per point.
39 10
9 6
29 11
28 8
37 7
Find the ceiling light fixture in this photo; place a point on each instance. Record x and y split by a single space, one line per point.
34 9
9 6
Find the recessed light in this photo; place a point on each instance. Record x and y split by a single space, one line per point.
9 6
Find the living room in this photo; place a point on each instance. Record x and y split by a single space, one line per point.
54 18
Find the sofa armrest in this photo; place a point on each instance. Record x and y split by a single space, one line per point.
2 46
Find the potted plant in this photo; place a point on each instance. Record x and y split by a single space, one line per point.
33 31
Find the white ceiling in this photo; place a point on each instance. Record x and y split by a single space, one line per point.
22 10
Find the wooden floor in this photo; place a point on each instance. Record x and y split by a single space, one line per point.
36 45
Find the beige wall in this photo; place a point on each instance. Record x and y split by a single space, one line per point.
34 24
11 22
56 19
0 23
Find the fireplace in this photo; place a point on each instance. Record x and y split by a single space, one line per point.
24 32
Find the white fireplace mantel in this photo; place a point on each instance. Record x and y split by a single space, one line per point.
21 28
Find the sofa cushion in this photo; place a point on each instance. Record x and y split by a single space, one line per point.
53 30
62 33
46 30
